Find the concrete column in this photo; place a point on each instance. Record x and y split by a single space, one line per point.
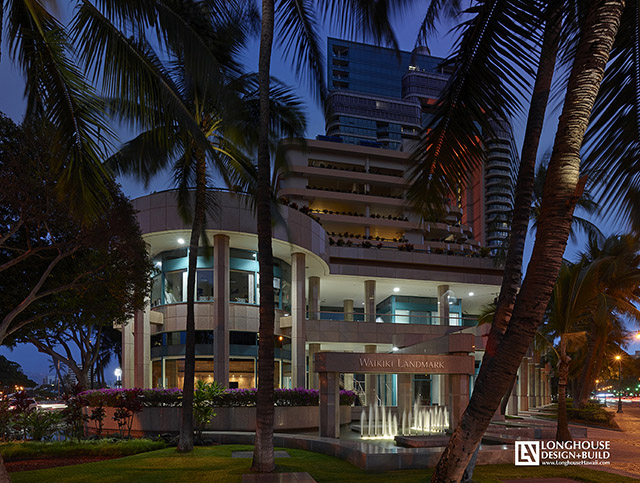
348 309
512 405
142 349
329 405
128 351
221 309
405 396
443 306
369 300
538 393
523 385
532 384
313 376
458 397
370 383
314 298
298 306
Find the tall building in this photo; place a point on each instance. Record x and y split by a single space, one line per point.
381 98
356 270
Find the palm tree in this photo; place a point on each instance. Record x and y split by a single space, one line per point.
559 197
219 110
617 264
611 144
56 90
578 223
296 23
566 313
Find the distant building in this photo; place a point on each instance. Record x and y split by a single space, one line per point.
381 98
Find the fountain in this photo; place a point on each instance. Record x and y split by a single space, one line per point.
383 423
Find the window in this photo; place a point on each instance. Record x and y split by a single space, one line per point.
156 290
156 340
204 285
454 319
242 287
204 337
242 373
174 283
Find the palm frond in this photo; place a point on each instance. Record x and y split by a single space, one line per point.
491 75
297 28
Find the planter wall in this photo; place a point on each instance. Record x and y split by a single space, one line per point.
167 420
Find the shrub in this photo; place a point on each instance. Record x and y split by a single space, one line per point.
40 424
72 416
204 399
347 398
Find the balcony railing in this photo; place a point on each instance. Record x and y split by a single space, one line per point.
423 319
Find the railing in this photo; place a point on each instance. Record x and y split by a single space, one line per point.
422 319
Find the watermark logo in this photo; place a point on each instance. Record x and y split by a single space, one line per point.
565 453
527 453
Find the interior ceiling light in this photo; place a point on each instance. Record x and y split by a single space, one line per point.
181 241
470 294
396 289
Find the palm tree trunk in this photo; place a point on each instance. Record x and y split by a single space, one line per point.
580 396
185 443
263 450
562 432
524 187
560 195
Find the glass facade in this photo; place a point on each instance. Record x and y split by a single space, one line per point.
167 354
170 283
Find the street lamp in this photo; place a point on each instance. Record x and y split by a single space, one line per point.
118 374
619 359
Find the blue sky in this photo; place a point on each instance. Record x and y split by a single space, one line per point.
12 104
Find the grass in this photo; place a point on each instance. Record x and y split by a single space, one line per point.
18 451
214 464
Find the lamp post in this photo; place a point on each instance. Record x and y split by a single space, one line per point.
619 359
118 374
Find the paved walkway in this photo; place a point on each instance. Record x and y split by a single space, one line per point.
625 444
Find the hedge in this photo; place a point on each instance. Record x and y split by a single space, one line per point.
229 398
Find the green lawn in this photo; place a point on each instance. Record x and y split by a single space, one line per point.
25 450
214 464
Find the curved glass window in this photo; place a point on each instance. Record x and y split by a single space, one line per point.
170 285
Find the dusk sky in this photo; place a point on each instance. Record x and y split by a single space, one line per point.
11 103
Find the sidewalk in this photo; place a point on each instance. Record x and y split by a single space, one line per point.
625 445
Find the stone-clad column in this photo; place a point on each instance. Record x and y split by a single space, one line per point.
523 385
532 384
221 309
142 349
458 397
329 405
348 309
313 376
443 306
404 394
538 386
128 355
314 298
369 300
298 307
370 389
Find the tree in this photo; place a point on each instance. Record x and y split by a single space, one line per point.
48 260
222 106
559 198
295 23
11 375
56 90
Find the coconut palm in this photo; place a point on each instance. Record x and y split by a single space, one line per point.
611 144
579 224
292 25
617 263
220 106
56 90
591 54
